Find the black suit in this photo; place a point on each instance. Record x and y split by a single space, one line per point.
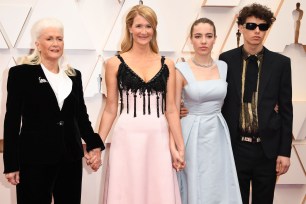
36 131
275 129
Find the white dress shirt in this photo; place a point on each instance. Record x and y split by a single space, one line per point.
60 83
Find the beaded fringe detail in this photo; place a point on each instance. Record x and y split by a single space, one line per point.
129 81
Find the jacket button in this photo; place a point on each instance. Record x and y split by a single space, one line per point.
61 123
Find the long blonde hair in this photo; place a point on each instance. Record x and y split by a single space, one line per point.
34 58
150 16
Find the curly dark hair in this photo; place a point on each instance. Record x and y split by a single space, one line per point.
258 11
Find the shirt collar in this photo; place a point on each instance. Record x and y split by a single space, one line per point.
259 55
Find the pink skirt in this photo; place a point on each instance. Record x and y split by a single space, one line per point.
139 168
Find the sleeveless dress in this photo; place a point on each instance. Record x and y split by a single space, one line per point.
140 168
210 174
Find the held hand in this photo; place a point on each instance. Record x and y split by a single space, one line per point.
178 161
276 108
13 177
175 157
182 159
96 161
183 111
282 165
93 159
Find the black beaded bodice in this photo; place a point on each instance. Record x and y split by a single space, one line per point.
130 83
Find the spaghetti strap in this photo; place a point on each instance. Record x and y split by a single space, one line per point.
163 60
120 58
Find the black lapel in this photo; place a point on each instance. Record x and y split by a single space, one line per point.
66 100
236 65
266 72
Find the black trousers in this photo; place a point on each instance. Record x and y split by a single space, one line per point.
40 182
254 168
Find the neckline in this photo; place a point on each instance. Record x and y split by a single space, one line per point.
204 66
205 80
141 79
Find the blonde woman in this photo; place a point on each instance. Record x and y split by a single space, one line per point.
140 169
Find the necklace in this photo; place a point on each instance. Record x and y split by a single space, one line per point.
203 65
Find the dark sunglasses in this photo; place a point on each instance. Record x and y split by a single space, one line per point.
253 26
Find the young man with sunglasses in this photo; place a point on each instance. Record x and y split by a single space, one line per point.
258 107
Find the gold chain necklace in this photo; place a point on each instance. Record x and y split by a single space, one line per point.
203 65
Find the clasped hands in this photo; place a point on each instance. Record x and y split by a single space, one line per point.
93 158
178 159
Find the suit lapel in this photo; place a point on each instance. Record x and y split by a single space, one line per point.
237 70
46 90
68 98
266 72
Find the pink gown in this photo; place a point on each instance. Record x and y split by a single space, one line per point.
139 169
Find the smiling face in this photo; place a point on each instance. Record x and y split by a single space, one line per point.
141 31
253 37
203 38
50 44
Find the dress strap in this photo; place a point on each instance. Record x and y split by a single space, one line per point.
185 70
163 60
119 77
222 67
120 58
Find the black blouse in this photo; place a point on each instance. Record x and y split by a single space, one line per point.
130 82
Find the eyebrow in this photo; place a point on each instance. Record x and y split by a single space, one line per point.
146 24
202 34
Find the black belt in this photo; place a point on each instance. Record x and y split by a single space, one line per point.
250 139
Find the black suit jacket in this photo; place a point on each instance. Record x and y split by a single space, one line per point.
275 129
35 129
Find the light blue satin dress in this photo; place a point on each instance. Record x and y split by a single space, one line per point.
210 174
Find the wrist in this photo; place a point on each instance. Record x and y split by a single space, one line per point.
97 149
180 148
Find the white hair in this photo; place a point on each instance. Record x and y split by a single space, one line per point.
44 23
36 31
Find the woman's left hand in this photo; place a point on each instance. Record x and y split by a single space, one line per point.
93 159
178 160
13 177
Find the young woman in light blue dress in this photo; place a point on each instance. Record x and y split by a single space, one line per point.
210 173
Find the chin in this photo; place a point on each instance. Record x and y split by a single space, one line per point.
55 58
143 42
257 42
204 52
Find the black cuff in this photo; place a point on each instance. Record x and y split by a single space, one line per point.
95 142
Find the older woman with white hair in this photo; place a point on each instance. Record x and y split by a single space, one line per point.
45 119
